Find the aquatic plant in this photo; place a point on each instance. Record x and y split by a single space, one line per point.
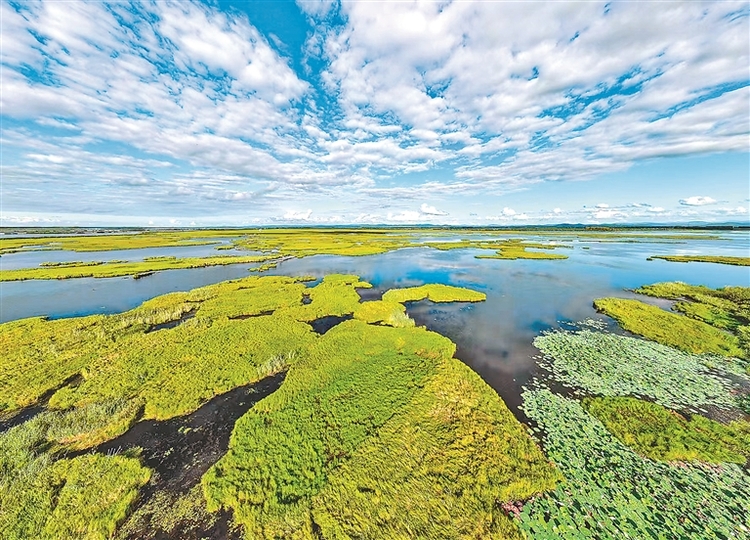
658 433
370 411
613 365
612 492
656 324
736 261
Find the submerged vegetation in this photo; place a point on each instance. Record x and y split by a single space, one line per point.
735 261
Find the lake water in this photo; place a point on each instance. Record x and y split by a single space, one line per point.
494 337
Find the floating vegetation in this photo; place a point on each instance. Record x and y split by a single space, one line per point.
658 433
612 492
435 293
735 261
100 269
378 433
677 331
613 365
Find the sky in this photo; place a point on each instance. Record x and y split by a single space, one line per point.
322 112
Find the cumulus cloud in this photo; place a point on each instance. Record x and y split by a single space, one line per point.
697 201
431 210
197 109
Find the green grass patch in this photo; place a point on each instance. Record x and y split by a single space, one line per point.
385 312
518 249
612 492
299 454
435 293
735 261
658 433
43 498
677 331
123 268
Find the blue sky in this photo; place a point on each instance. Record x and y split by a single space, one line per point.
324 112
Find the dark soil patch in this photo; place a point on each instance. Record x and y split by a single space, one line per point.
27 413
324 324
180 451
171 324
243 317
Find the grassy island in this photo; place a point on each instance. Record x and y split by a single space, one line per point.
101 269
671 329
735 261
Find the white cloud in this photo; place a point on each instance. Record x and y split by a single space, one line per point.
405 215
431 210
697 201
209 114
508 211
557 211
294 215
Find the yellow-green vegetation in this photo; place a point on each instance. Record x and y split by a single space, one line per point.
335 295
360 390
43 498
301 242
378 433
390 313
99 269
91 424
517 249
306 242
166 515
77 263
658 433
435 293
241 331
107 242
727 308
677 331
735 261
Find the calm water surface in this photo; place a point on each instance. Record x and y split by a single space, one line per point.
493 337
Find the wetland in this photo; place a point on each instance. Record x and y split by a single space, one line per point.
375 383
